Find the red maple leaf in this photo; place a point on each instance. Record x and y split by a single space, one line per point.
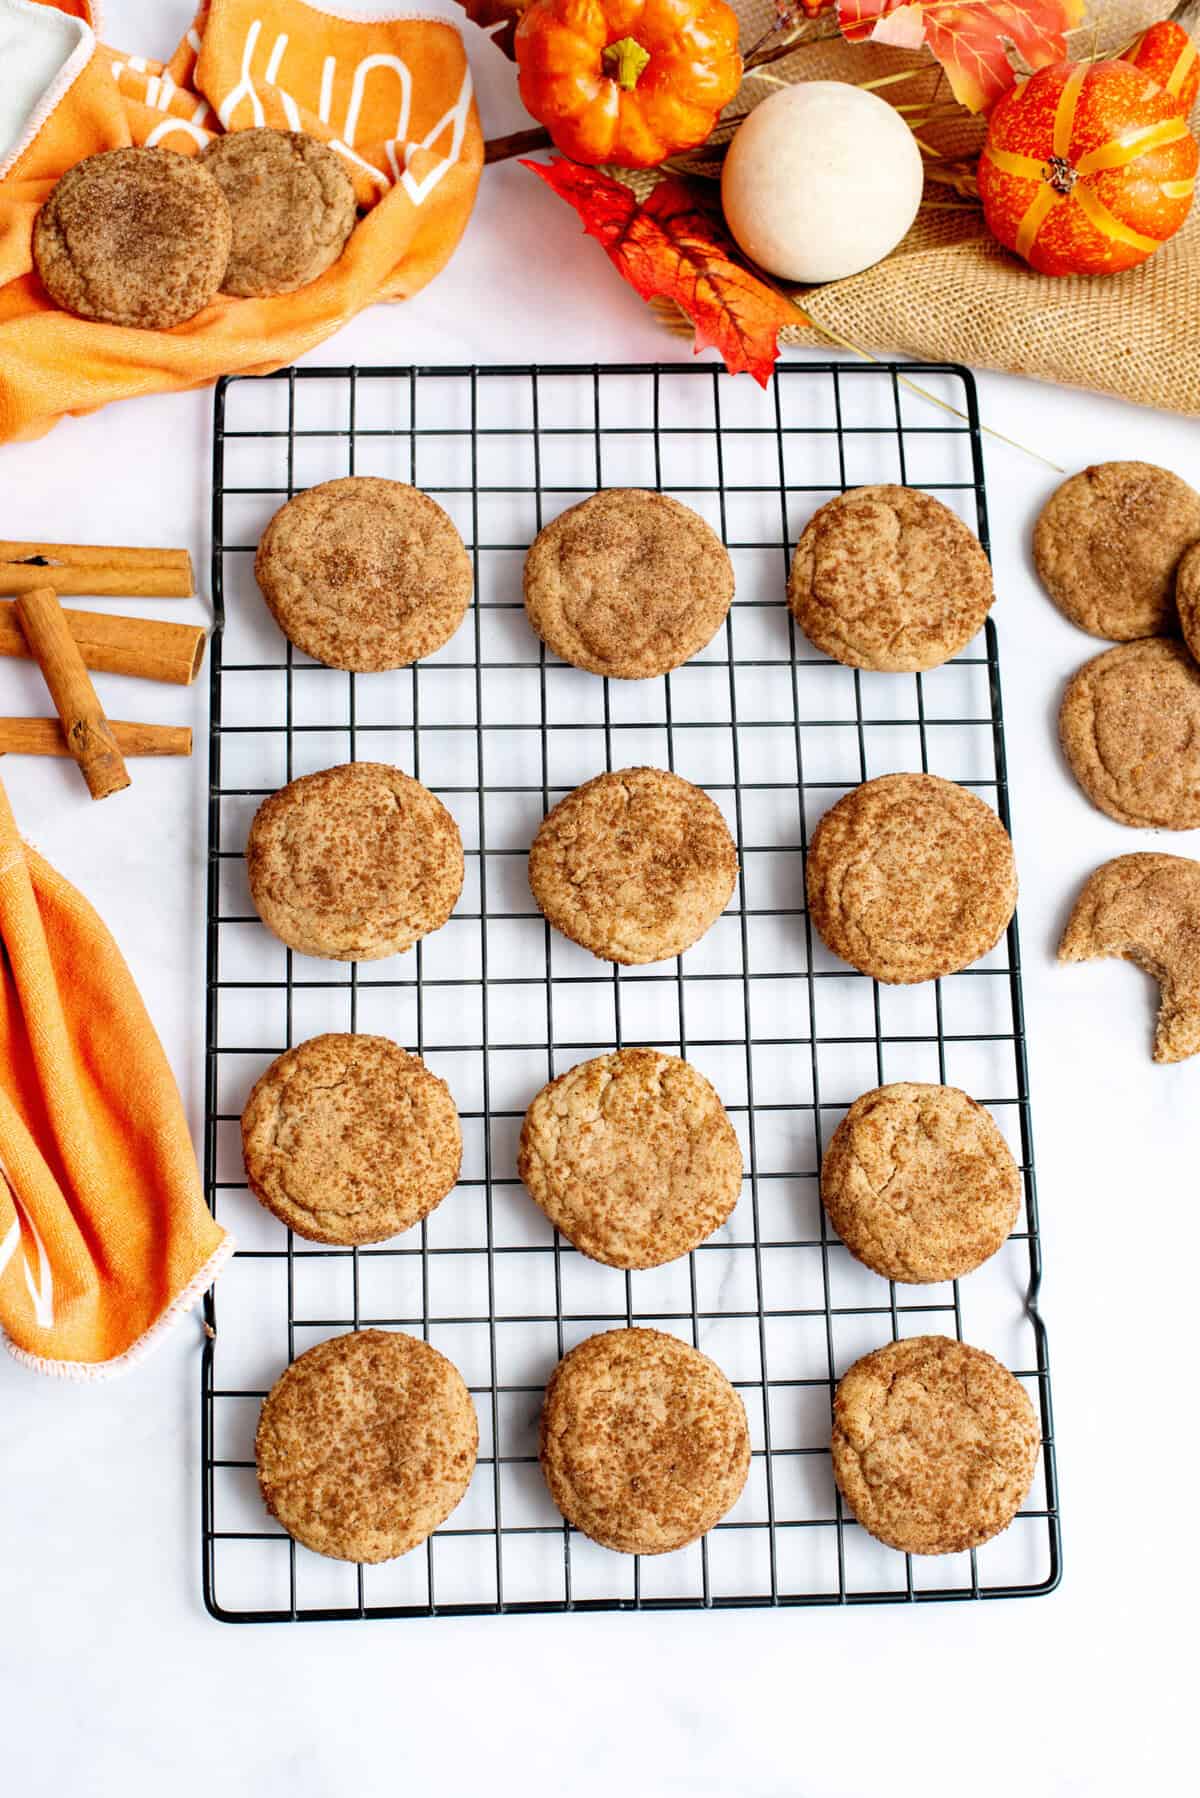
674 245
968 37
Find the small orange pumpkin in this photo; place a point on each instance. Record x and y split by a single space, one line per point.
1167 54
1088 168
627 81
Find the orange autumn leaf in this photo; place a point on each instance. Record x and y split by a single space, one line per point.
499 18
970 38
674 246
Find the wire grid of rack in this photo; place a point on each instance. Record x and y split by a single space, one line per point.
498 1003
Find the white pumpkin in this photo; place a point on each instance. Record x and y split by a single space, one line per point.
822 180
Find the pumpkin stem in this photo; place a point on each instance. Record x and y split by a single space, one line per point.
624 61
1059 173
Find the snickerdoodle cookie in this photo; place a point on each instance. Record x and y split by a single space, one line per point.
354 863
1187 598
910 877
644 1442
1146 909
365 1445
934 1445
348 1139
133 237
292 205
888 578
634 865
1108 543
628 583
632 1157
1130 728
919 1183
364 573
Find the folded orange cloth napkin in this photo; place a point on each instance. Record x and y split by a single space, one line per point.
392 95
104 1234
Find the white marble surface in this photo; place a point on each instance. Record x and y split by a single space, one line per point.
112 1678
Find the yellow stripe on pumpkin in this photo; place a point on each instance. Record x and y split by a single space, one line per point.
1045 200
1176 190
1106 222
1121 152
1026 168
1068 105
1187 57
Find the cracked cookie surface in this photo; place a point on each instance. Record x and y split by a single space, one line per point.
365 1445
364 574
133 237
634 866
934 1445
1146 909
349 1139
628 583
1130 729
292 205
910 877
1187 598
919 1183
644 1442
354 863
888 578
632 1156
1107 545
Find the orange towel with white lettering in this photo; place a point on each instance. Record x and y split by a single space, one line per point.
392 96
104 1233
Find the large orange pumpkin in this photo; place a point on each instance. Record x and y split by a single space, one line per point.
627 81
1088 168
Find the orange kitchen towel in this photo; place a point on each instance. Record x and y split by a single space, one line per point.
392 95
104 1234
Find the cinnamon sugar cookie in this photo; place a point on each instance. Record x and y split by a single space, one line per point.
935 1445
1130 729
1187 598
354 863
348 1139
632 1157
888 578
910 877
634 865
919 1183
628 583
364 574
1146 909
1108 543
365 1445
644 1442
292 205
133 237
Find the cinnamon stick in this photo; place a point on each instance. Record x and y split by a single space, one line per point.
89 736
114 645
105 570
44 736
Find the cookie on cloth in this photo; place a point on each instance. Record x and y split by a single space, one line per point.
888 578
1146 909
632 1156
634 865
365 1445
911 877
1187 598
364 574
348 1139
291 203
354 863
935 1445
644 1443
919 1183
1108 543
133 237
1129 725
628 583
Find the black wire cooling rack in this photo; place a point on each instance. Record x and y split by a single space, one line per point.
498 1003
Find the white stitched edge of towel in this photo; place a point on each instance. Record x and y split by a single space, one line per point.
74 66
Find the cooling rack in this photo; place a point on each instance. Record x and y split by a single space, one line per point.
497 1003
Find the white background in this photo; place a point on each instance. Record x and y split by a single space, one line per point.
113 1679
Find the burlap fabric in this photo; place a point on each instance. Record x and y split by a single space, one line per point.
949 293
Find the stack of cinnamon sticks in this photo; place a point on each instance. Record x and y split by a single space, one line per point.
66 643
